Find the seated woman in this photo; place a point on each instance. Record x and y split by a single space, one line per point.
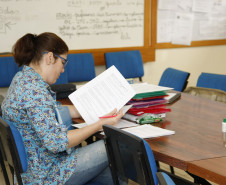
30 105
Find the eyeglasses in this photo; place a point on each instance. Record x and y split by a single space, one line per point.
64 62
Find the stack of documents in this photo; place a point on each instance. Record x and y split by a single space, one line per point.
147 131
121 124
172 97
149 99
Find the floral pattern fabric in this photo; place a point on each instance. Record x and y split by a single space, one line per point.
30 104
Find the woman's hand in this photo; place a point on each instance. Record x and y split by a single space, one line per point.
76 136
111 120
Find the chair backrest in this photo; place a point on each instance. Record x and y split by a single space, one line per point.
13 148
174 78
130 157
210 80
8 68
63 116
80 67
63 78
129 63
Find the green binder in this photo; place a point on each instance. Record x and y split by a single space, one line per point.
149 94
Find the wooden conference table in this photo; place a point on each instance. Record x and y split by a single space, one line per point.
197 145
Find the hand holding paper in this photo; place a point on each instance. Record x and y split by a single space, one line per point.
101 95
111 115
108 116
111 119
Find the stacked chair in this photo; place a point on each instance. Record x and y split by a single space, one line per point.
211 86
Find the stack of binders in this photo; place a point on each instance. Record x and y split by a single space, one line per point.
148 106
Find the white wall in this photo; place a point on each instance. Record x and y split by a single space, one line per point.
195 60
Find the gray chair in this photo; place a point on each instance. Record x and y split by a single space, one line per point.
209 93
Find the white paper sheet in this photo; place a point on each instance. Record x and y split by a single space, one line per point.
125 124
101 95
202 5
207 22
165 26
172 97
167 4
121 124
149 131
183 26
184 5
145 88
124 110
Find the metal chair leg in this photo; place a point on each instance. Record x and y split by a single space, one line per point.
172 170
157 164
5 174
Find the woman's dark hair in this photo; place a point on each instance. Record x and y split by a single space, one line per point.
30 47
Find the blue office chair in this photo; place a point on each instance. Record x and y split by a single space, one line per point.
210 80
174 78
80 67
131 158
129 63
8 68
63 78
12 151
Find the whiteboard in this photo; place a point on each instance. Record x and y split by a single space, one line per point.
82 24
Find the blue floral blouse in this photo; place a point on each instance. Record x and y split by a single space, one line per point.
29 104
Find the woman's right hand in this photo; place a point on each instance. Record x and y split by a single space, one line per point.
112 120
76 136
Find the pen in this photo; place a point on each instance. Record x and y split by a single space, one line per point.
108 116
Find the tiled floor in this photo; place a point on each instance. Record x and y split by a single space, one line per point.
163 166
